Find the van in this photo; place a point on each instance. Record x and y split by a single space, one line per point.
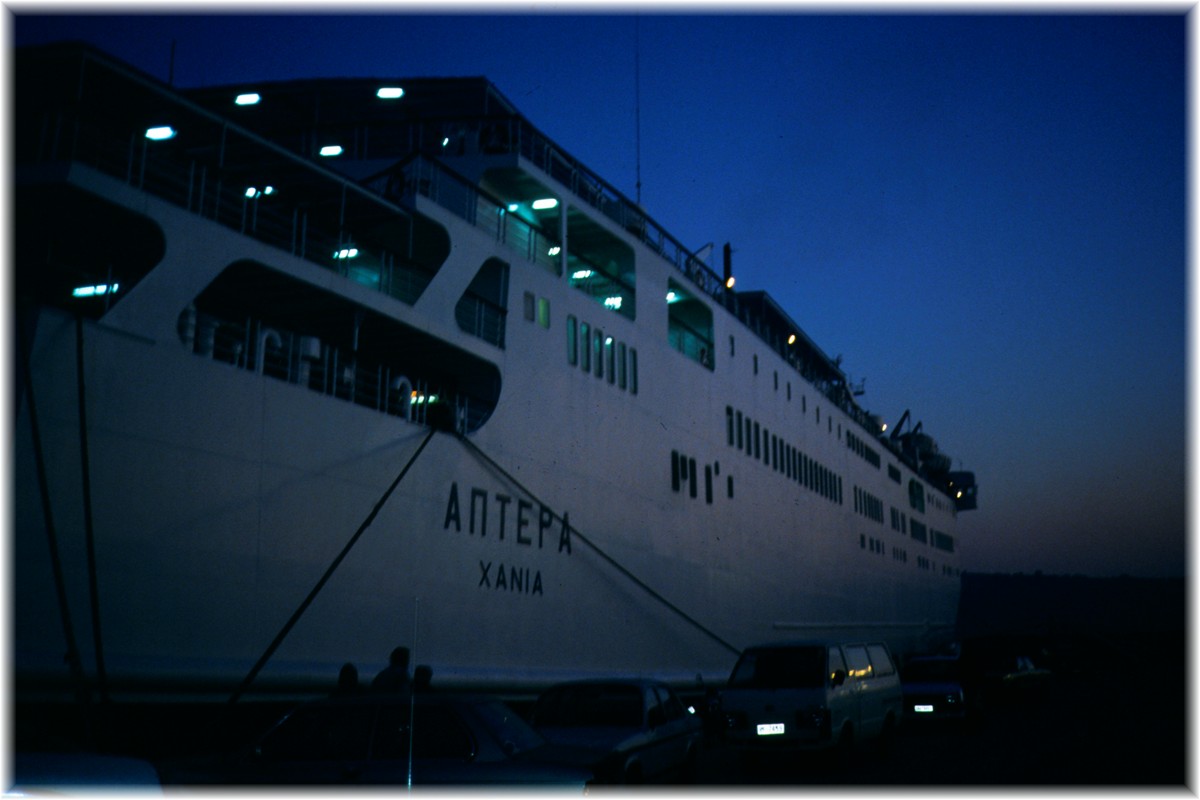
812 696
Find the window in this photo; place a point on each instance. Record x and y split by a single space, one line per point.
543 312
610 359
598 352
585 347
880 662
622 374
529 306
858 661
572 342
689 325
916 495
836 662
320 733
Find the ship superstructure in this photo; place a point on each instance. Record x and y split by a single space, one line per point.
308 370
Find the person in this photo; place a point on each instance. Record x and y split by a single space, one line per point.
422 677
393 677
347 683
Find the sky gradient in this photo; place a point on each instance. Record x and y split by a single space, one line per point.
984 214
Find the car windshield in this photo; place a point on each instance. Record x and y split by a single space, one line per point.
590 706
780 668
931 670
512 732
320 733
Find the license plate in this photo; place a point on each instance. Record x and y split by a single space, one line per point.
772 729
923 709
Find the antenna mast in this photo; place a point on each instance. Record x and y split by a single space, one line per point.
637 100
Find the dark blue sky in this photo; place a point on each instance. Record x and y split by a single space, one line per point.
984 214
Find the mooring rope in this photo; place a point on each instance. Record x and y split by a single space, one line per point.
60 583
574 532
88 528
287 627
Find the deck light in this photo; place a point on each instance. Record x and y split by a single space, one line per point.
160 133
553 251
389 93
729 282
95 291
247 99
544 204
581 274
673 297
331 150
792 339
253 192
613 302
513 207
346 252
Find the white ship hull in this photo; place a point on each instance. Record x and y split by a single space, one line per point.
558 538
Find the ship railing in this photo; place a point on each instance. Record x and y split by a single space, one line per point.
601 195
481 318
691 343
304 361
485 212
189 179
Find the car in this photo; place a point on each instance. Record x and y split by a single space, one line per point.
81 773
635 730
937 688
812 696
390 739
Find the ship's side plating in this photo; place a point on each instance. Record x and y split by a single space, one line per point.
577 451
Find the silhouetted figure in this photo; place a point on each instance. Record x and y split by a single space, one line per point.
394 677
422 678
347 683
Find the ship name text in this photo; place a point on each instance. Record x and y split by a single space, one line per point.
510 579
529 529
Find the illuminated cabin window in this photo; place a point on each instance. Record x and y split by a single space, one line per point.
543 312
689 325
598 263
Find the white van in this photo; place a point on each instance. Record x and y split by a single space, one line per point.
812 696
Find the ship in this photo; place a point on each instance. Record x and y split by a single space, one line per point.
308 370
